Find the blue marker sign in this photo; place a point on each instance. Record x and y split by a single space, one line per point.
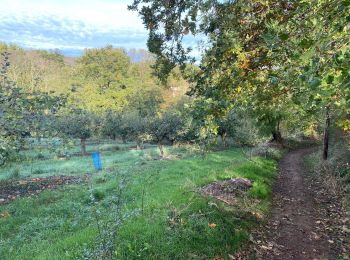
96 158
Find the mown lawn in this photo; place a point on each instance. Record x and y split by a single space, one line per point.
164 217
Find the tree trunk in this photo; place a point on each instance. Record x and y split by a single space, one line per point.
223 139
161 150
276 135
326 135
83 146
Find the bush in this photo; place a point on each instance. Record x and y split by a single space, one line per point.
246 133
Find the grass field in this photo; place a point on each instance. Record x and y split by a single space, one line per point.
161 213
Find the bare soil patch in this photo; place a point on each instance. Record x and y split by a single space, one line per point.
228 190
11 189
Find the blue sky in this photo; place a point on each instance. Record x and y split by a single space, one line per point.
70 25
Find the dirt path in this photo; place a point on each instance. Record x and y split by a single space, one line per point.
298 227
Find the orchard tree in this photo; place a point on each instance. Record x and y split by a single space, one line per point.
138 128
76 123
112 124
128 126
22 113
166 126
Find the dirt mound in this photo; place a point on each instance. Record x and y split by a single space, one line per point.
228 190
11 190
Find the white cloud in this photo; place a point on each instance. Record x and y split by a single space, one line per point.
104 14
70 24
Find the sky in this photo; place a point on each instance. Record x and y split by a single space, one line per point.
70 25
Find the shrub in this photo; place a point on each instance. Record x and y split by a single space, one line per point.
246 133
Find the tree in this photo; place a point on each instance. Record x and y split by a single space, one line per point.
138 128
111 125
321 63
146 102
129 126
241 59
76 123
227 126
271 56
22 113
166 126
107 67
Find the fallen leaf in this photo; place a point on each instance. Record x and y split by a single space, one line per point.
212 225
4 214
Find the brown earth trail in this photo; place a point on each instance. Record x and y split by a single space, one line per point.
296 228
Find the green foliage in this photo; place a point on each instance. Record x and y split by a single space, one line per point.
38 172
146 102
23 113
100 80
107 67
111 125
166 126
98 194
75 124
246 132
285 61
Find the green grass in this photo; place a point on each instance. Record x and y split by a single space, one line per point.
76 165
59 225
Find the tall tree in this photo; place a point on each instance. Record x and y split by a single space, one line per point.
256 52
107 67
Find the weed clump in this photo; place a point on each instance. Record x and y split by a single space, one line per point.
38 171
98 195
16 173
40 156
268 152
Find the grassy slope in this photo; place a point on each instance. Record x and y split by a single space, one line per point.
58 224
